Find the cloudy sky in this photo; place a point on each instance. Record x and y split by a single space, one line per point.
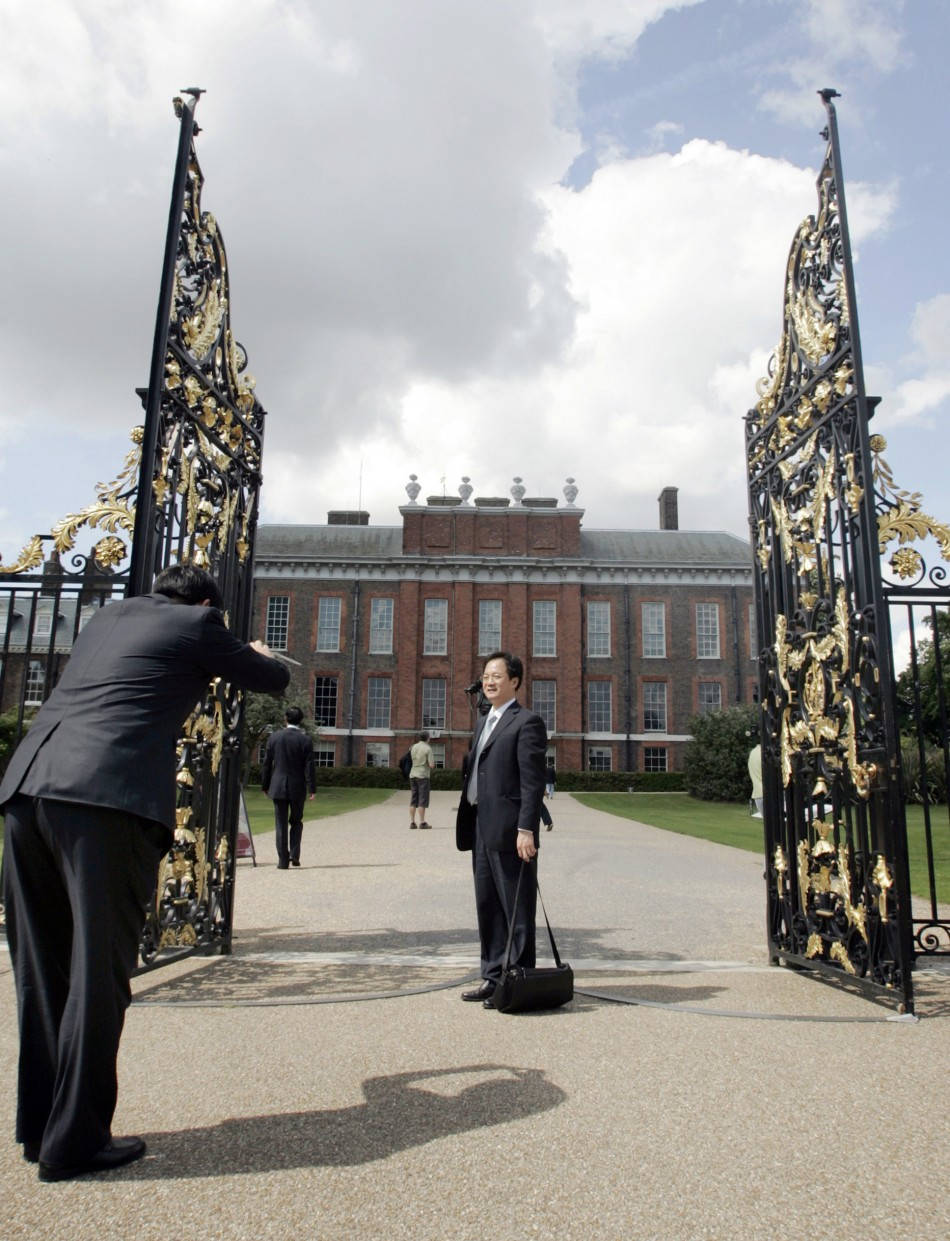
468 237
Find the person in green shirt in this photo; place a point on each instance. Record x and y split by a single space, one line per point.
422 764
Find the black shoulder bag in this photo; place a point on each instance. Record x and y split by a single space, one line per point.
524 990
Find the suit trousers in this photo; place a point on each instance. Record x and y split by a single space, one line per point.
288 837
496 881
76 882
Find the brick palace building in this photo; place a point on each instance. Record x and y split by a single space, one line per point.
625 634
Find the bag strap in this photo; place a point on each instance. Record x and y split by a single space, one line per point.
511 925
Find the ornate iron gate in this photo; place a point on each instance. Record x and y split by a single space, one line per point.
836 844
189 490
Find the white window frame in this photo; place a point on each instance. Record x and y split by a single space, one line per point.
335 681
277 622
323 750
435 626
705 708
375 700
544 628
34 684
599 720
489 628
599 758
545 704
598 629
379 752
433 701
381 612
651 756
329 615
651 688
652 635
707 633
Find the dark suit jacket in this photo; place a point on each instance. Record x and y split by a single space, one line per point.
510 781
287 769
107 734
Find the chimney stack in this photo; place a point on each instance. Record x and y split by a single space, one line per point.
669 513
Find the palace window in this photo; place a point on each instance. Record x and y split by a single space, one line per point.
598 706
544 702
710 697
654 758
275 628
328 623
436 627
598 628
35 684
377 754
598 758
324 754
489 625
433 702
381 627
545 627
378 702
707 630
325 701
653 620
654 706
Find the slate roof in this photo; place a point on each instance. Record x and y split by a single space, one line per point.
698 548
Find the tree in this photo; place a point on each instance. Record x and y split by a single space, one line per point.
262 714
716 762
928 684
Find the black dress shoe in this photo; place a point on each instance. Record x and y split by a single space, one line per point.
489 1003
31 1152
283 865
484 992
115 1154
295 861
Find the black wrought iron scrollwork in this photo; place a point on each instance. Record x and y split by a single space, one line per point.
198 500
837 875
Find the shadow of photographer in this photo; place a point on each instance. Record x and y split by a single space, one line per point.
398 1112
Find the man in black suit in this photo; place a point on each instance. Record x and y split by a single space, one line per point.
287 777
502 793
89 801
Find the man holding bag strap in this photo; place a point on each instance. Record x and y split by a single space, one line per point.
502 793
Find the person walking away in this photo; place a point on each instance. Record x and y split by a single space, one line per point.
423 764
549 778
287 778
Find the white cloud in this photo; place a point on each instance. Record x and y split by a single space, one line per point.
924 389
837 42
676 266
416 289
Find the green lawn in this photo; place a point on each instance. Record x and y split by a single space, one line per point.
328 802
729 823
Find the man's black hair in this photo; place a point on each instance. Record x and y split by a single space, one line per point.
293 715
513 665
188 584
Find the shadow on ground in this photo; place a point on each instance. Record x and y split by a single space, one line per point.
248 977
399 1112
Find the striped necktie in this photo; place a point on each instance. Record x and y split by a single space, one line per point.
471 791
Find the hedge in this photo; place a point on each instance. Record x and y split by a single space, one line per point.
451 780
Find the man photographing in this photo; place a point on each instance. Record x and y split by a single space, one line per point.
89 802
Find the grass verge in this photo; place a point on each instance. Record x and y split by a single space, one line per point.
729 823
328 802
